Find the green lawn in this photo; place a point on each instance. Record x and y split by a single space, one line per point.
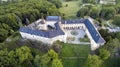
74 55
84 40
73 62
72 8
71 50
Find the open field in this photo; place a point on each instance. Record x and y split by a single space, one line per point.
74 55
70 10
71 50
73 62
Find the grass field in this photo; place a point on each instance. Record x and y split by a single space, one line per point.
71 50
73 62
72 8
74 55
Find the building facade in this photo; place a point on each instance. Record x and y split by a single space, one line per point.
53 28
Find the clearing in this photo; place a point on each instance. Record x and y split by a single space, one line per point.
70 8
74 55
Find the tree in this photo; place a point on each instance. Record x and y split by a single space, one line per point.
52 54
94 12
57 3
116 20
118 36
108 12
118 8
11 18
104 54
32 19
56 47
118 1
0 1
93 61
3 34
82 12
45 59
3 58
105 34
111 45
24 54
12 58
37 61
57 63
89 1
7 58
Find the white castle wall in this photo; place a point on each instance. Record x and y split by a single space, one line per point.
73 25
93 45
44 39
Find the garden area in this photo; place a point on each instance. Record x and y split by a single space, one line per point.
74 33
84 40
74 55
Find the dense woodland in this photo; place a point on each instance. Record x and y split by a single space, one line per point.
106 12
27 53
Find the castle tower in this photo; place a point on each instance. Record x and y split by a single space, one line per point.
42 24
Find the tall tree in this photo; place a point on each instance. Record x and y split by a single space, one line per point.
104 54
93 61
82 12
116 20
57 63
89 1
111 45
118 1
24 54
94 12
108 12
52 54
3 34
37 61
0 1
32 18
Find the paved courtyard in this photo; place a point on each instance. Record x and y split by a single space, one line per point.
74 35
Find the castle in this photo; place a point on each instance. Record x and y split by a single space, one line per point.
53 28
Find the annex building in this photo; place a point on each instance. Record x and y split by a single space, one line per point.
53 28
